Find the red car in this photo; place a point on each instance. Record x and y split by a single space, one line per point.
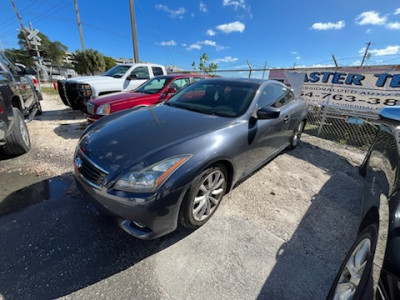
154 91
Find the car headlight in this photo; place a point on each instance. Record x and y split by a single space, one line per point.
104 109
86 90
152 177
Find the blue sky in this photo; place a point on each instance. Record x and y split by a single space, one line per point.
177 32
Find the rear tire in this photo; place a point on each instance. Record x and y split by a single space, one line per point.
18 141
204 196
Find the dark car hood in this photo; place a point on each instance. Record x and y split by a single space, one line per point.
133 136
121 96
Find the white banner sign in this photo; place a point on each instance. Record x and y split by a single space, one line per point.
351 90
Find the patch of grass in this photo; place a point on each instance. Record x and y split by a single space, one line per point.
48 90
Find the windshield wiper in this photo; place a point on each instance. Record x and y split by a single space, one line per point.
196 110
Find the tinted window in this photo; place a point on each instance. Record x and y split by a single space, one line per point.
275 95
180 83
157 71
217 97
140 73
195 79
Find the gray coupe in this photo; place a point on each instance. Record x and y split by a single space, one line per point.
155 167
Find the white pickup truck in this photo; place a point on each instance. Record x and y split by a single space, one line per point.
76 92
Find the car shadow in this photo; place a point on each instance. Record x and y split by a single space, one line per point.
311 257
55 245
60 114
71 130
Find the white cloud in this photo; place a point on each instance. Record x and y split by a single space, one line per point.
368 30
208 43
294 52
203 7
389 50
394 25
231 27
168 43
328 26
226 59
370 17
173 13
397 12
235 3
298 57
198 45
210 32
194 46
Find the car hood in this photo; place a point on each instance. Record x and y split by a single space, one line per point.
122 96
131 137
93 79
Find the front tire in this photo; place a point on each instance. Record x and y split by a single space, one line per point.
18 141
353 279
204 196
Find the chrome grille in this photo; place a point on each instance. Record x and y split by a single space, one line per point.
90 108
89 171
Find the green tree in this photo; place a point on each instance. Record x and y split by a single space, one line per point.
110 62
203 67
88 61
19 56
55 50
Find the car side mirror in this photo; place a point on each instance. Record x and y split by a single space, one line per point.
171 90
268 112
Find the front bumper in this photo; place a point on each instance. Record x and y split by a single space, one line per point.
74 96
92 118
146 217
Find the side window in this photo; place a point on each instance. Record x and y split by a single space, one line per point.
270 95
195 79
140 73
181 83
157 71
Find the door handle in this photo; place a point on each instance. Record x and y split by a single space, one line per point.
285 119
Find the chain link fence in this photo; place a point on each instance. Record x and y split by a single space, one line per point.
345 127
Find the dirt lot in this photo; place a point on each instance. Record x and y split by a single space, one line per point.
280 234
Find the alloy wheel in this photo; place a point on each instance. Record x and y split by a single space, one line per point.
353 271
208 196
297 134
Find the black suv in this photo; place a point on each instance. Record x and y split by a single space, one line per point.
371 269
18 98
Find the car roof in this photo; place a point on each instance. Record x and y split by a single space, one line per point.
252 81
182 75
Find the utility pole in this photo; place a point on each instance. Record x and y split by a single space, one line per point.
78 19
365 54
134 37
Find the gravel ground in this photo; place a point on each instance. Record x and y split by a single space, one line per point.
281 233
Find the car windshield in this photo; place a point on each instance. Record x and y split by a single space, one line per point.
217 97
117 71
153 86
